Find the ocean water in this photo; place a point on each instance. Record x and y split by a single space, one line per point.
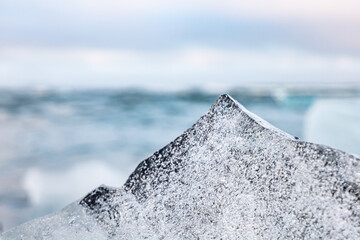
55 146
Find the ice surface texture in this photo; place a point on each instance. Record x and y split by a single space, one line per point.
230 176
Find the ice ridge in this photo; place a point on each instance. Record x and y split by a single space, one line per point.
231 175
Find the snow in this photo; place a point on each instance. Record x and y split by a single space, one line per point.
230 176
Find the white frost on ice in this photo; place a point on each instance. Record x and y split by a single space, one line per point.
68 224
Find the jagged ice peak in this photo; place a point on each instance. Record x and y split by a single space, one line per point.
231 175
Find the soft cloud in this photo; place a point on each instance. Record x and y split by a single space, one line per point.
344 10
326 26
92 43
334 10
192 66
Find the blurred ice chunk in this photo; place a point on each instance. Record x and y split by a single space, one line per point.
335 122
39 183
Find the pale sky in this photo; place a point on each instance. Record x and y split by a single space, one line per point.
175 44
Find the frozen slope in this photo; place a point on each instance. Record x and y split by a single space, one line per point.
230 176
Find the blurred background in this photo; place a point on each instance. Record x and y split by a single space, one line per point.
88 89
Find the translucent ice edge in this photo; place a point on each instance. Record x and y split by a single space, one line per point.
261 121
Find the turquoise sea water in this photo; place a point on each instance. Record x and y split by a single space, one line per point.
55 146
